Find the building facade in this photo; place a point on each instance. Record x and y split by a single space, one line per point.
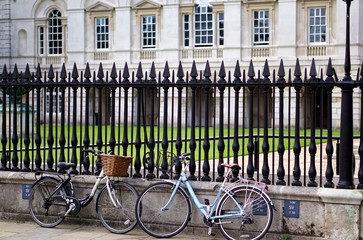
155 31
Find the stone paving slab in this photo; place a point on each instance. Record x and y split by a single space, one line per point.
29 230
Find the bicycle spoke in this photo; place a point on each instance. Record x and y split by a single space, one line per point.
256 218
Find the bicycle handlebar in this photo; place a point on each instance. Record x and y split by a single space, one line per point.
93 151
184 155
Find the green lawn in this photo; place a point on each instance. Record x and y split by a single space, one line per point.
228 136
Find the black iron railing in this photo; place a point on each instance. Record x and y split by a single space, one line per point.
278 125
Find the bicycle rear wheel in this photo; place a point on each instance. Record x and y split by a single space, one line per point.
169 221
120 218
257 217
46 207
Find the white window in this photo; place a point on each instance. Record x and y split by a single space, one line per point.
186 30
220 28
41 40
261 27
148 31
55 33
102 33
317 25
203 26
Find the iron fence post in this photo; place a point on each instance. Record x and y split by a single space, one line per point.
346 124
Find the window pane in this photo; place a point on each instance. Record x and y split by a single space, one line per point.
148 31
186 30
220 28
317 25
55 35
203 26
102 33
261 28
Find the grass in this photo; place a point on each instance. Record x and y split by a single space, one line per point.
77 136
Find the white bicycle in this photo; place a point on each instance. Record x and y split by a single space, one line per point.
52 199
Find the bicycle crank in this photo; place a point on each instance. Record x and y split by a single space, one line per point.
73 206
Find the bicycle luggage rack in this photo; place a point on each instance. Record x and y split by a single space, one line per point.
242 181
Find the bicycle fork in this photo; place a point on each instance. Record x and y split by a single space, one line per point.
111 191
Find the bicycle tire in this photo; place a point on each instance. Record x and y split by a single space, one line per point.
258 213
47 213
120 219
167 223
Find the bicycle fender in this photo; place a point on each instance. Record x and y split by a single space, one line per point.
258 189
42 177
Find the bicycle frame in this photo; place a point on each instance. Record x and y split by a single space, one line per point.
86 200
207 210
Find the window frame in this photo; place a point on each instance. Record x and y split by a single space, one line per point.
97 34
207 33
55 35
186 31
261 29
319 17
151 34
220 29
41 40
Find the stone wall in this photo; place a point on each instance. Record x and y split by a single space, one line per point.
301 213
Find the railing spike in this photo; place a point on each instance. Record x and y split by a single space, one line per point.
152 72
5 74
297 72
74 72
237 70
38 74
51 73
281 71
251 70
313 72
180 73
113 74
139 74
207 72
193 71
266 69
126 73
329 71
222 71
63 74
166 73
15 74
100 74
87 73
27 74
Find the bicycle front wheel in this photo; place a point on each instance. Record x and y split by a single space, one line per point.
117 216
256 218
47 207
157 219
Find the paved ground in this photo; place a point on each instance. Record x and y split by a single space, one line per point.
31 231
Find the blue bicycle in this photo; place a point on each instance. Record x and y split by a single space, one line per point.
242 209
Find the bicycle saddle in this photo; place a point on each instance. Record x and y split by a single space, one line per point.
65 166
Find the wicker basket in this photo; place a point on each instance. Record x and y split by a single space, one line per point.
114 165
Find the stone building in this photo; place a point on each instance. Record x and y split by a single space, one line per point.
93 31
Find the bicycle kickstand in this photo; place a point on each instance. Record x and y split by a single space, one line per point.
210 233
